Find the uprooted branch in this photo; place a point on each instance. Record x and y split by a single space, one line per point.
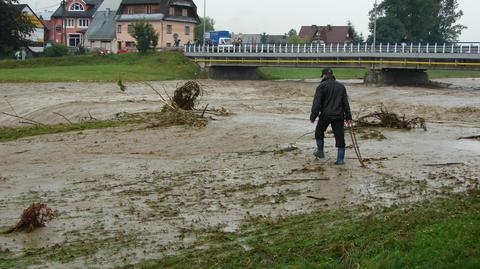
35 216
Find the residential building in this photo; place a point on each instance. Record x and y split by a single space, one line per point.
173 20
325 34
276 39
37 37
71 20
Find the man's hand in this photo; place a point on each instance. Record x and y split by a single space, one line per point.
312 121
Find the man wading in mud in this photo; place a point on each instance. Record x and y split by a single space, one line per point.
331 106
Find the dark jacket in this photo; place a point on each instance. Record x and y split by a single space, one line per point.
331 102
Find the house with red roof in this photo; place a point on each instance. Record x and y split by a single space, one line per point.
326 34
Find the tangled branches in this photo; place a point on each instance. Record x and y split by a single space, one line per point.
35 216
185 97
385 118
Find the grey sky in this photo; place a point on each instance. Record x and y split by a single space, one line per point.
278 16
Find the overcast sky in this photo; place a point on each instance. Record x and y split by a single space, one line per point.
278 16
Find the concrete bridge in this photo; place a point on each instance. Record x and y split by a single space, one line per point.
388 63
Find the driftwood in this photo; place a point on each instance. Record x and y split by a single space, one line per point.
442 164
63 116
35 216
185 97
317 198
475 137
304 179
385 118
23 118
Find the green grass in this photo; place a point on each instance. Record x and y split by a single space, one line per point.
440 234
13 133
452 74
309 73
128 67
349 73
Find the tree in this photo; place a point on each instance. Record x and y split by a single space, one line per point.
292 32
15 27
209 26
352 33
420 21
145 35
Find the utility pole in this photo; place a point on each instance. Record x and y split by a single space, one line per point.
64 24
375 25
204 21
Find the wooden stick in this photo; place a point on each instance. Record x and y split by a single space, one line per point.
304 179
317 198
11 107
205 109
23 118
442 164
161 96
56 113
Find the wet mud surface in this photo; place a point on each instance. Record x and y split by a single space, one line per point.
126 194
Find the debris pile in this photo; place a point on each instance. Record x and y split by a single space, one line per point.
185 97
385 118
35 216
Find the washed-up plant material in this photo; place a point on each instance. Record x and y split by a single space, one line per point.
186 96
385 118
35 216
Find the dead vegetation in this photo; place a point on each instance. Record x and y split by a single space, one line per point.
35 216
384 118
185 97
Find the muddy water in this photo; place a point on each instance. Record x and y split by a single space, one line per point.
134 193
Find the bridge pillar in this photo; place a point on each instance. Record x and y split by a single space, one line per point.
401 77
233 72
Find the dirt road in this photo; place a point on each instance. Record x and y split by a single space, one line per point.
129 193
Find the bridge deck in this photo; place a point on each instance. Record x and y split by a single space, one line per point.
384 56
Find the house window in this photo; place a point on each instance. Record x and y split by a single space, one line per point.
119 28
184 12
172 11
169 29
130 44
169 45
69 23
76 7
149 9
187 30
130 10
83 23
74 40
130 28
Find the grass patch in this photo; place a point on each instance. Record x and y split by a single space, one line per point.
128 67
273 73
152 119
12 133
309 73
432 74
440 234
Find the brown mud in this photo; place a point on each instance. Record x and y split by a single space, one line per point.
133 194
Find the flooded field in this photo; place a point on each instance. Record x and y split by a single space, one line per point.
131 193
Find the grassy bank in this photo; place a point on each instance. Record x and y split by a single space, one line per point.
128 67
309 73
438 234
349 73
151 119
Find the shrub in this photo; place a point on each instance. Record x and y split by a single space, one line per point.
56 50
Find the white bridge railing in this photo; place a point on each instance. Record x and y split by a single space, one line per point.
338 48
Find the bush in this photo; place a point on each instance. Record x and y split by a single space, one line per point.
56 50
